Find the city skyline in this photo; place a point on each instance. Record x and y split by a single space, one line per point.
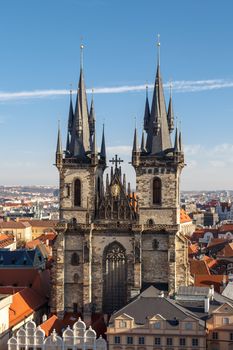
41 63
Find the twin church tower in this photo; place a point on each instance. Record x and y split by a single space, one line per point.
112 243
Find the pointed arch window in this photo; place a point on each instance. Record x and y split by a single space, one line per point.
157 190
77 193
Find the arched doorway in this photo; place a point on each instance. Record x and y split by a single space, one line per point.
115 277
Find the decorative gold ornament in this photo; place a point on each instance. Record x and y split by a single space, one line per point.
115 190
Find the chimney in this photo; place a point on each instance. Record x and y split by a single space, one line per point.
211 292
206 304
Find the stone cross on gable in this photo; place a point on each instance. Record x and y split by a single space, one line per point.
116 160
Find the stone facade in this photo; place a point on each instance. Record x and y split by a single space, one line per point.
115 242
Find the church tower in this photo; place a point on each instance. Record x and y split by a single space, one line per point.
113 242
158 165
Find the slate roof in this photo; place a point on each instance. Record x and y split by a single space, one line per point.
20 257
146 306
228 291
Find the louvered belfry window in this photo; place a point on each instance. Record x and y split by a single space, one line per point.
77 193
157 189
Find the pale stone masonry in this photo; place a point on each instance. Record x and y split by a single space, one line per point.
111 242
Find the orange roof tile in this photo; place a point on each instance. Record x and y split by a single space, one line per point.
13 224
226 227
24 304
208 280
184 217
193 248
43 223
198 267
227 251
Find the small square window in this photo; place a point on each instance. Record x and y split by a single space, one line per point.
129 340
194 342
117 340
231 336
215 335
141 340
169 341
182 341
157 341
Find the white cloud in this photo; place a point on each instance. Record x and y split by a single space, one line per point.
178 86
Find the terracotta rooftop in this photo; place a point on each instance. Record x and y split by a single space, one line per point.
24 304
97 323
198 267
42 223
13 224
193 248
184 217
5 240
208 280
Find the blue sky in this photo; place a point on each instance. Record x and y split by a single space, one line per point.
40 52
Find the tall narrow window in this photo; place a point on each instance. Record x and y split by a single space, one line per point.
77 193
157 191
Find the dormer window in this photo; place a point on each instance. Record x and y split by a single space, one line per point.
123 324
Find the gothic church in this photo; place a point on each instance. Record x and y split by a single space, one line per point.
113 242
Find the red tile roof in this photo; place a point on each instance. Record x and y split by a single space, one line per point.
6 240
193 249
97 323
184 217
13 224
42 223
208 280
24 304
19 277
198 267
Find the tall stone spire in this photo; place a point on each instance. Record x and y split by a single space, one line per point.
170 114
92 116
147 112
59 155
103 147
70 125
135 141
180 142
176 142
143 142
80 138
158 138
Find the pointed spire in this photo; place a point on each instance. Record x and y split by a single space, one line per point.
70 125
80 138
158 138
59 145
143 142
135 141
107 181
170 114
180 142
103 147
124 182
92 115
176 142
147 112
59 154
